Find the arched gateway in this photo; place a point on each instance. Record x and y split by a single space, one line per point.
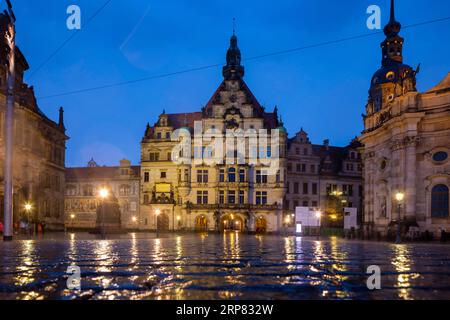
232 222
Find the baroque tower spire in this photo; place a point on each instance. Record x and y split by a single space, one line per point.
394 78
233 70
392 46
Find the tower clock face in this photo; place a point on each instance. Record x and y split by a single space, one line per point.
390 75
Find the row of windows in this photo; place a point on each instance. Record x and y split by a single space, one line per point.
231 175
306 203
90 191
50 181
312 168
232 197
301 167
312 188
305 188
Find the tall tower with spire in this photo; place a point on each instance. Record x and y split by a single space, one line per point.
233 70
394 78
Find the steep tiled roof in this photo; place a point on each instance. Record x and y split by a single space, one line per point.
444 85
244 88
179 120
97 173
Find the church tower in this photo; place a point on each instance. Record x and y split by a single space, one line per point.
394 78
233 70
405 149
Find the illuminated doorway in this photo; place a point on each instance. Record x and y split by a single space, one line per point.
261 225
163 222
201 223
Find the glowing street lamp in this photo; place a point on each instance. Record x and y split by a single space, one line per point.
103 193
28 207
134 219
399 196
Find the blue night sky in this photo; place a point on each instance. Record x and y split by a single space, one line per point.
323 90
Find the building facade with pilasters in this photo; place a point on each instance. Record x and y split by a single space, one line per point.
39 149
202 196
406 147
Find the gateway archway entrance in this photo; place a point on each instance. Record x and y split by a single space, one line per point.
201 223
232 222
261 225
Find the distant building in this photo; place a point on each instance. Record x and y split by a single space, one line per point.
406 146
315 172
82 198
198 196
39 149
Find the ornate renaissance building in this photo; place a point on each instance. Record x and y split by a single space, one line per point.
39 148
82 196
202 196
406 146
316 172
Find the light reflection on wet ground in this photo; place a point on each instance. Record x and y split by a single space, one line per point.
230 266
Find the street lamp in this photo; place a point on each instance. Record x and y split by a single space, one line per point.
399 196
157 213
9 126
104 194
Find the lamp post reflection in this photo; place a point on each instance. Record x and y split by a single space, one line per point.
103 193
319 218
157 213
28 207
399 197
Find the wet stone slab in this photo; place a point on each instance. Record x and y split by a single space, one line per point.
212 266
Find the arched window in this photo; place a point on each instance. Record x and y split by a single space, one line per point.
440 201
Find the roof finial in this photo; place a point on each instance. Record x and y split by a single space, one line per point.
234 26
392 11
393 28
61 119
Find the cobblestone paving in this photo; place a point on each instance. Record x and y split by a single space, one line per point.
229 266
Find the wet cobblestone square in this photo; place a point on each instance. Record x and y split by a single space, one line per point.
227 266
